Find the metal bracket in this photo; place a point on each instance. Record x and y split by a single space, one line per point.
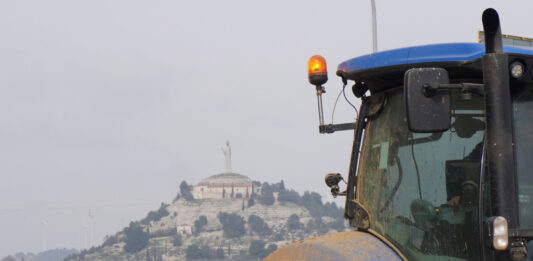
521 233
358 215
466 89
331 128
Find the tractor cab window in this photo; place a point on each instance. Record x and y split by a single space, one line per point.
421 188
523 135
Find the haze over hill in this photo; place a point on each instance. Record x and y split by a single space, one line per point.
226 216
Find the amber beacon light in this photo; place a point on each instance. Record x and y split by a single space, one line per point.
317 70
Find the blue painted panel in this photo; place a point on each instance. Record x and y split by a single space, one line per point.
453 52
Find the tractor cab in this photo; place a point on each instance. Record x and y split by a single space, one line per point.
440 166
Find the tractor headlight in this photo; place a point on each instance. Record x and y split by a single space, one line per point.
498 233
517 69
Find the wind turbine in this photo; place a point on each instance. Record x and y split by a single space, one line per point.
91 227
85 232
43 226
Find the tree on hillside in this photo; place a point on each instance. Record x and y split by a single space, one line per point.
281 186
267 195
110 240
136 238
293 222
185 191
251 201
220 253
193 252
156 215
232 224
289 196
257 249
338 224
200 223
313 202
9 258
203 252
258 225
177 240
271 248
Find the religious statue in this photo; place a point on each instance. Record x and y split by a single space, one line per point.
227 153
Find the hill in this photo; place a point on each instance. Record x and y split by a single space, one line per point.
228 228
48 255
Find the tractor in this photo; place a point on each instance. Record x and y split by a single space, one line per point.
441 166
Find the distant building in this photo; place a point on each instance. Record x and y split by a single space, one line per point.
226 185
184 230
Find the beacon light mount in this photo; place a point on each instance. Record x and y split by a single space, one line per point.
318 75
332 181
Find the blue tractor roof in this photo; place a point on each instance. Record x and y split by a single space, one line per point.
453 52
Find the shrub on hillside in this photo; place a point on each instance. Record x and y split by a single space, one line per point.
258 225
293 222
257 249
232 224
338 224
220 253
267 195
194 252
176 240
185 191
271 248
156 215
289 196
251 201
136 238
110 240
200 223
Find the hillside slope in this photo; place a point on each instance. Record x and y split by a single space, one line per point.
228 229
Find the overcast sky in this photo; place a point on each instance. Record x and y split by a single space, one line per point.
106 106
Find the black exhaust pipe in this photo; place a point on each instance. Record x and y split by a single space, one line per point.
493 32
499 133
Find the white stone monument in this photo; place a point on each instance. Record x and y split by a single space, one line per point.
227 153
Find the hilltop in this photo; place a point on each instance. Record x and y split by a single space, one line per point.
236 225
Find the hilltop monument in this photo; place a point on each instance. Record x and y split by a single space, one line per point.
227 153
227 185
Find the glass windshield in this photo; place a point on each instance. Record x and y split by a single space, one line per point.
421 189
523 130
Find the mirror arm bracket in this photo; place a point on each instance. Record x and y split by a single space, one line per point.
466 88
331 128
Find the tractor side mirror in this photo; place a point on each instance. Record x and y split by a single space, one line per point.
427 108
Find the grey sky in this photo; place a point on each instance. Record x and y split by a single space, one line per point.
108 105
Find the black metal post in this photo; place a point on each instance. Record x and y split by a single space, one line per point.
498 108
352 178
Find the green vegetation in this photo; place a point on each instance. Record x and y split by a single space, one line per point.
232 225
251 201
293 223
258 225
110 240
257 249
200 223
156 215
267 195
136 238
185 191
156 235
194 252
177 240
